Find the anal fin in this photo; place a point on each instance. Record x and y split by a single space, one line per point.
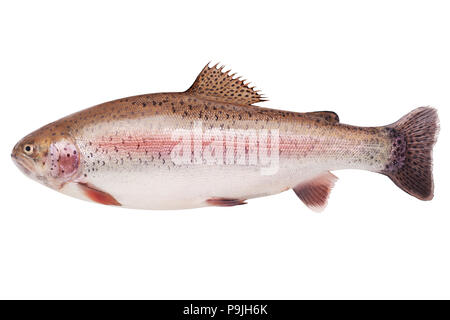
314 193
225 202
98 196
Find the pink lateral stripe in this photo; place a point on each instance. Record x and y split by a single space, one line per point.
154 144
137 144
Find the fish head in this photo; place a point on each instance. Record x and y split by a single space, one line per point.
47 157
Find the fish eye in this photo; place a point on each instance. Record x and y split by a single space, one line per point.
28 149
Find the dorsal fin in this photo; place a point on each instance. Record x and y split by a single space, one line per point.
215 84
328 116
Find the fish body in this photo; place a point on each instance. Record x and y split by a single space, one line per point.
210 146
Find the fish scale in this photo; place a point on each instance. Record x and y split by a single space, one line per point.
210 146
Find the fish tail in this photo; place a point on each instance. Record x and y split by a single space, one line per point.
413 138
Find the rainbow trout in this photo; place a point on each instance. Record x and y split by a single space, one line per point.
211 146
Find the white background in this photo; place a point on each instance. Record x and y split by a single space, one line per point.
371 62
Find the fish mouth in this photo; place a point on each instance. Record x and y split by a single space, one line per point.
23 164
27 166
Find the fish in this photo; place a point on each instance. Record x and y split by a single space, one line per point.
211 145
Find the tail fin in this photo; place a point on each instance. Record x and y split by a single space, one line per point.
413 137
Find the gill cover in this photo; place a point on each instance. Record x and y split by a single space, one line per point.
63 159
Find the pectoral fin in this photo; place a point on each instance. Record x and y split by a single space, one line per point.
98 196
314 193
